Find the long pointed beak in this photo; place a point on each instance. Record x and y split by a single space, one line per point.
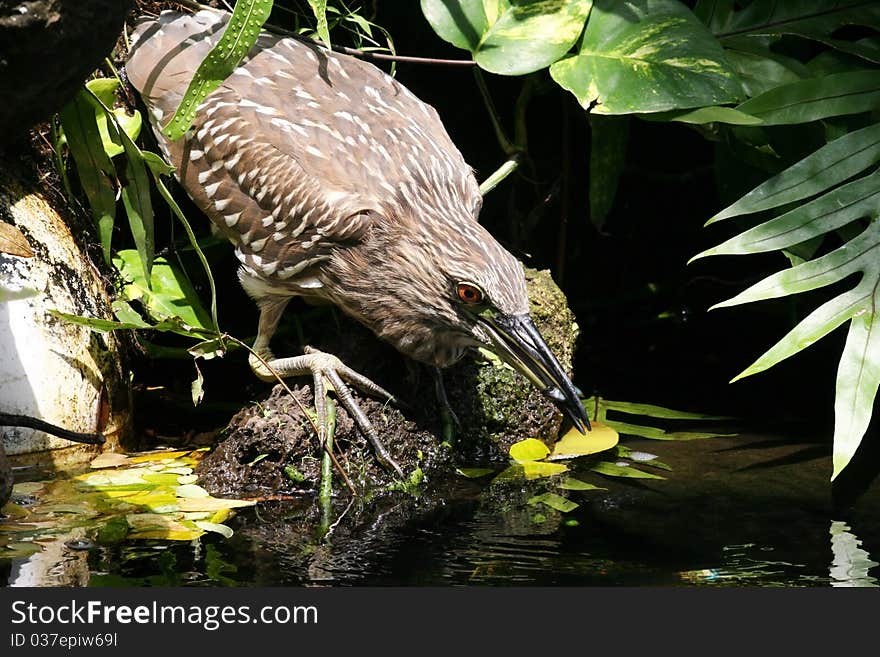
517 341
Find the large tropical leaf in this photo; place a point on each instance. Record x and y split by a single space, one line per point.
647 56
832 164
509 37
837 206
818 98
818 20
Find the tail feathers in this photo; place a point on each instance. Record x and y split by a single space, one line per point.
165 53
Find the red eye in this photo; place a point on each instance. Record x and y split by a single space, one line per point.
469 293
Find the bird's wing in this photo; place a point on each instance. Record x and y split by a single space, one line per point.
299 147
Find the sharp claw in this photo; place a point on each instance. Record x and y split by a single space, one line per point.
363 423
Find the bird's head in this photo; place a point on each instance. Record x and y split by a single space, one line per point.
487 292
435 293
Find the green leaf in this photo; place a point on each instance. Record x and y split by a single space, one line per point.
128 315
554 501
105 90
817 98
135 192
239 36
608 139
474 473
714 13
509 38
529 449
158 167
856 255
651 410
858 377
655 433
169 294
208 349
646 56
704 115
835 162
761 72
319 8
93 166
622 470
460 22
570 483
838 209
827 213
100 325
530 36
811 19
859 369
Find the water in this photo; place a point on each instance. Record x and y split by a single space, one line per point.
745 511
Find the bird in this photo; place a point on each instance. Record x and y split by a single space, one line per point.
335 183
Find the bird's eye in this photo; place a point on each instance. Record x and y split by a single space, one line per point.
469 293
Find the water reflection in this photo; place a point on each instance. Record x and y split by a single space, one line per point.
851 563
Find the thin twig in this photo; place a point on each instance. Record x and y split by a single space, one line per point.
507 146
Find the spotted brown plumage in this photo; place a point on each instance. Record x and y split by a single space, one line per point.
335 182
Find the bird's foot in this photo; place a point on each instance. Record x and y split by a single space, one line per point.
327 367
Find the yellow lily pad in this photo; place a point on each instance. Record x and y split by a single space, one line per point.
529 449
574 443
108 460
191 490
158 456
210 504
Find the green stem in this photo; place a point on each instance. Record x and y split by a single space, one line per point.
507 146
325 492
500 174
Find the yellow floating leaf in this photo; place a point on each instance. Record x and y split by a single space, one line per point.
179 470
529 449
217 528
187 479
191 490
108 460
113 477
28 488
198 515
169 535
574 443
221 516
211 504
538 469
158 456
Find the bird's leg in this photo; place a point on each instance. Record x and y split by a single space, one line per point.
322 366
448 419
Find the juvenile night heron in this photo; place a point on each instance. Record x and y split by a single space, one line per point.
334 182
